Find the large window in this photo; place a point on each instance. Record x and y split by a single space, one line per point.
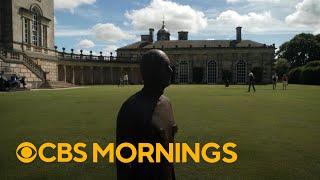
184 72
212 72
26 30
36 27
241 72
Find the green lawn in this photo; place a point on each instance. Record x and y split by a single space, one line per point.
277 132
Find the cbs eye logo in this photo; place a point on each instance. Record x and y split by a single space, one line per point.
26 152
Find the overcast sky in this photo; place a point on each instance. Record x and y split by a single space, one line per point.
105 25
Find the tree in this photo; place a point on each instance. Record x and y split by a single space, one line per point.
300 50
281 66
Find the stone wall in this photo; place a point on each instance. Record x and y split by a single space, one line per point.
21 70
225 58
51 67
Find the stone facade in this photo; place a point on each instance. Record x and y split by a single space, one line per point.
18 23
27 49
207 61
22 15
50 67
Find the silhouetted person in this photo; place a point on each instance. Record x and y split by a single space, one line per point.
285 81
23 81
251 82
227 83
120 81
274 81
147 117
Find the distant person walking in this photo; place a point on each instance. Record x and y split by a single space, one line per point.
120 81
126 79
227 83
285 81
251 82
274 81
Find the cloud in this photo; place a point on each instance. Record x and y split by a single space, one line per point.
259 1
111 48
71 4
307 14
252 22
103 32
85 44
177 16
265 1
110 32
68 31
233 1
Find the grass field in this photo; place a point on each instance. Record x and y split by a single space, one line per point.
277 132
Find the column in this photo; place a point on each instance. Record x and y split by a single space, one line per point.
65 73
30 33
111 75
22 24
92 75
101 75
82 78
131 76
73 76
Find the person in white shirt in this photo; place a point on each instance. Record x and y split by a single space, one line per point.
126 79
251 82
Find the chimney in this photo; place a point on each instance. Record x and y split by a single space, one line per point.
151 30
239 38
145 38
183 35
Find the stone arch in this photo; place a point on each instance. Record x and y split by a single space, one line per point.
241 72
184 72
36 28
212 71
35 8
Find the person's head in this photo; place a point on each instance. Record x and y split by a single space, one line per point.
155 69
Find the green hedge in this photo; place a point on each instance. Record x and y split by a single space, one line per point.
308 74
294 75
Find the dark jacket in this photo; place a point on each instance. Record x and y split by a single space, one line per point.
134 125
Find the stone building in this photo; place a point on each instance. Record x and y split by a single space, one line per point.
27 49
207 61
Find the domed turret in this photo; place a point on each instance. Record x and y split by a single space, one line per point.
163 33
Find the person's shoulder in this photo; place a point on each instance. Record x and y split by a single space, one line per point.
132 99
164 99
